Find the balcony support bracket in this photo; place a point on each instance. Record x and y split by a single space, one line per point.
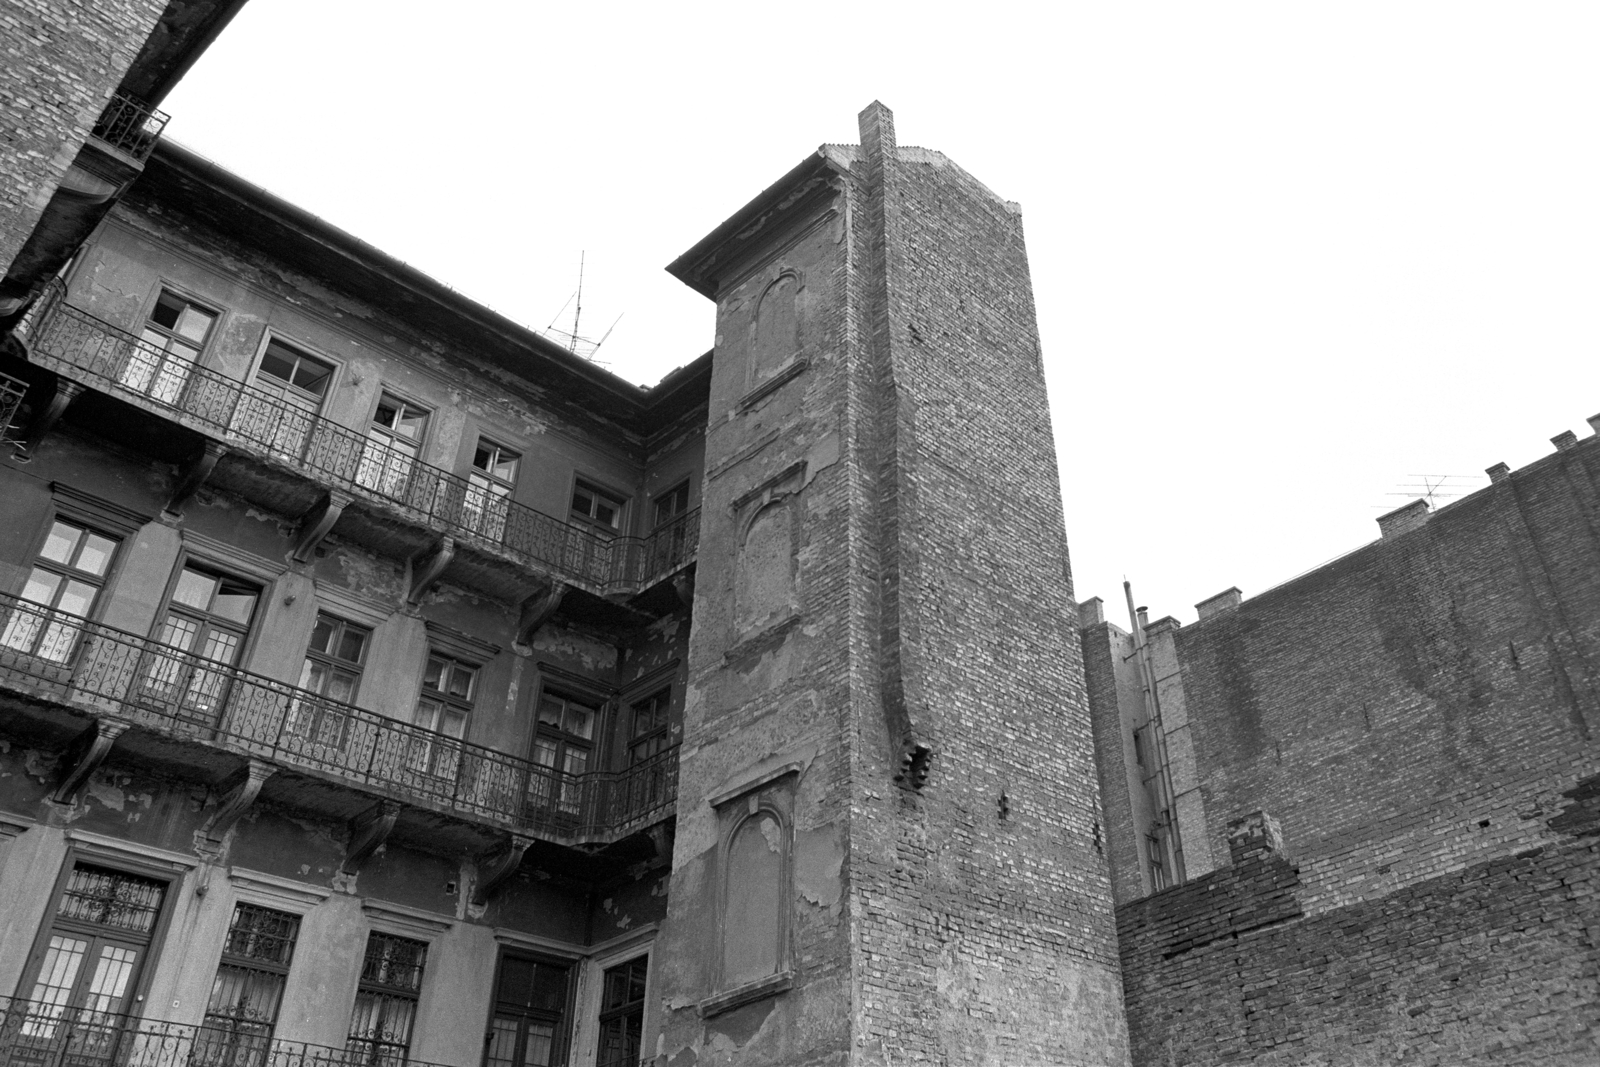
495 867
537 610
193 476
662 836
317 522
85 756
367 833
426 567
237 802
66 392
683 586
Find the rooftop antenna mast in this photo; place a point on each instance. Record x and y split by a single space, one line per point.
574 341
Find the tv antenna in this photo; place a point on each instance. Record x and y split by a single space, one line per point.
1436 489
574 341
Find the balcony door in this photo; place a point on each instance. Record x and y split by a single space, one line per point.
280 409
86 973
563 750
394 440
207 620
530 1009
172 339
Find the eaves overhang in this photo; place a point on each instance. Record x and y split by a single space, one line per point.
792 196
204 191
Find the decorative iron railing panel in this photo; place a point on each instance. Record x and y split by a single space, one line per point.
11 393
80 345
36 1033
83 664
130 126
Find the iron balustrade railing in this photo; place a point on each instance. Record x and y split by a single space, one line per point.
130 126
72 341
11 393
41 1033
68 660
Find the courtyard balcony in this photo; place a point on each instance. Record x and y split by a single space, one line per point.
36 1033
130 126
327 755
283 456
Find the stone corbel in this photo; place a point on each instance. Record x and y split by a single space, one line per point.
426 567
497 866
662 836
537 610
317 522
193 476
683 586
237 802
367 833
86 755
45 421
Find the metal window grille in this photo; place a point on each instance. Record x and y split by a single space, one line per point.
386 1000
112 898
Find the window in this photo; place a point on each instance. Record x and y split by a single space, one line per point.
530 1002
493 477
1156 850
670 505
208 617
448 687
386 1000
647 731
288 391
248 988
564 745
593 506
393 440
622 1013
87 971
173 337
66 579
332 669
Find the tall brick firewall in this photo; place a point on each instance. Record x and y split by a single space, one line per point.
59 64
882 566
1495 963
1420 704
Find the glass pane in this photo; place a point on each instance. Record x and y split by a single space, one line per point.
427 715
95 556
235 601
550 712
277 364
58 546
194 589
582 502
167 310
579 721
432 675
341 687
541 1040
179 632
606 512
194 323
220 645
313 675
577 761
412 421
59 971
111 974
544 752
502 1042
453 723
387 413
76 598
461 679
352 643
312 376
41 587
549 988
323 633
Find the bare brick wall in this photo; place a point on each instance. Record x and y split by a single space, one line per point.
1420 704
59 64
1492 963
985 933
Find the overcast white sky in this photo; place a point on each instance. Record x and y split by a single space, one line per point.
1287 256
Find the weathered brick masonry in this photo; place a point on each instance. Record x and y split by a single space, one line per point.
1419 717
59 64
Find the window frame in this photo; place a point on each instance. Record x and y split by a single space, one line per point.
601 491
565 1031
438 755
385 466
66 573
188 662
657 521
147 322
371 1057
79 855
234 1025
319 716
562 794
489 496
605 1015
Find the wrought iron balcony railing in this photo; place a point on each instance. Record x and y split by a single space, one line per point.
73 342
67 660
39 1033
130 126
11 393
